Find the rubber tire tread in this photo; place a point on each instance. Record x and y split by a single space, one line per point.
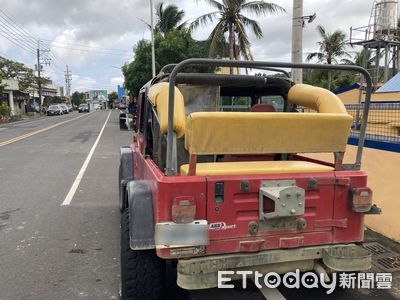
142 271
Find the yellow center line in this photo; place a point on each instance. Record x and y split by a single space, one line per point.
29 134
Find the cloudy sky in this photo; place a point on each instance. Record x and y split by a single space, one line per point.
96 37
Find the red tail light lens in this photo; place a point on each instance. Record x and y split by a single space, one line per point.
183 209
361 199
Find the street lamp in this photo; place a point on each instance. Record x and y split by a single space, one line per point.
310 18
153 56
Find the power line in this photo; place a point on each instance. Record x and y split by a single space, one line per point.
18 44
11 34
85 46
87 50
15 31
21 29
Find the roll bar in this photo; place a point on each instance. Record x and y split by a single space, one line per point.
171 167
260 68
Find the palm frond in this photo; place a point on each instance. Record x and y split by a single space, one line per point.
253 24
318 55
261 8
243 41
347 61
321 31
214 4
217 39
203 20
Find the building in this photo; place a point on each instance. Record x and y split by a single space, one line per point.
381 159
19 100
13 97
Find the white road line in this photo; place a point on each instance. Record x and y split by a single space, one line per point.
79 177
271 294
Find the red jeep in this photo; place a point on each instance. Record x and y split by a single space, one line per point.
214 179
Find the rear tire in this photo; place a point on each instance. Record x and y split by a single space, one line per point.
142 271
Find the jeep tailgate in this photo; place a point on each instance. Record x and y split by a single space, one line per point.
233 213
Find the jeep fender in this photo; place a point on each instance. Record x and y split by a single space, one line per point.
126 163
125 173
141 220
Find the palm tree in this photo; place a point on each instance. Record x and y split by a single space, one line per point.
168 18
364 59
331 47
231 19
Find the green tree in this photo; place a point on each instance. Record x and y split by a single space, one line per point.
2 86
10 69
168 18
175 46
363 58
332 47
77 98
112 96
230 18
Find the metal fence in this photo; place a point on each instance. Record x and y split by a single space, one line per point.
383 123
383 120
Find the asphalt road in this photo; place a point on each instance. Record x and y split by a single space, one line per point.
54 251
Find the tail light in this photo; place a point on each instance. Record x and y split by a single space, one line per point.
361 199
183 209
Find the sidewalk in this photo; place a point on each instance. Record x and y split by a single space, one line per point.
24 119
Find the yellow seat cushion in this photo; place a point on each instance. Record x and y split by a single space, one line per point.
256 167
158 95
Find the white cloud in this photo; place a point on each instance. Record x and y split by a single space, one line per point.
117 80
115 24
83 83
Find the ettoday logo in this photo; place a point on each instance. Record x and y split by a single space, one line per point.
309 280
273 280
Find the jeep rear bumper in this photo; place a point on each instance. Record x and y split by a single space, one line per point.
202 272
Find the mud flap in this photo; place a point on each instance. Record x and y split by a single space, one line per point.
141 224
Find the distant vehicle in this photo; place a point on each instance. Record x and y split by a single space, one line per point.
64 108
34 107
83 108
54 110
70 108
127 120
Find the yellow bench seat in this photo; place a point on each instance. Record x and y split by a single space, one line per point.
255 167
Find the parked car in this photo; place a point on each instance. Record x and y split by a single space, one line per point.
64 107
208 190
83 108
70 108
54 110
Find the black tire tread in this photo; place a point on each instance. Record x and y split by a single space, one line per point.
142 271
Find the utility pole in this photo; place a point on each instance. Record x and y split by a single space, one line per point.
39 66
39 79
153 55
297 39
68 78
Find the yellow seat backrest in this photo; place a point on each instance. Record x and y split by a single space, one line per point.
257 133
158 95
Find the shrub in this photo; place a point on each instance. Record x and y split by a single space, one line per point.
5 110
